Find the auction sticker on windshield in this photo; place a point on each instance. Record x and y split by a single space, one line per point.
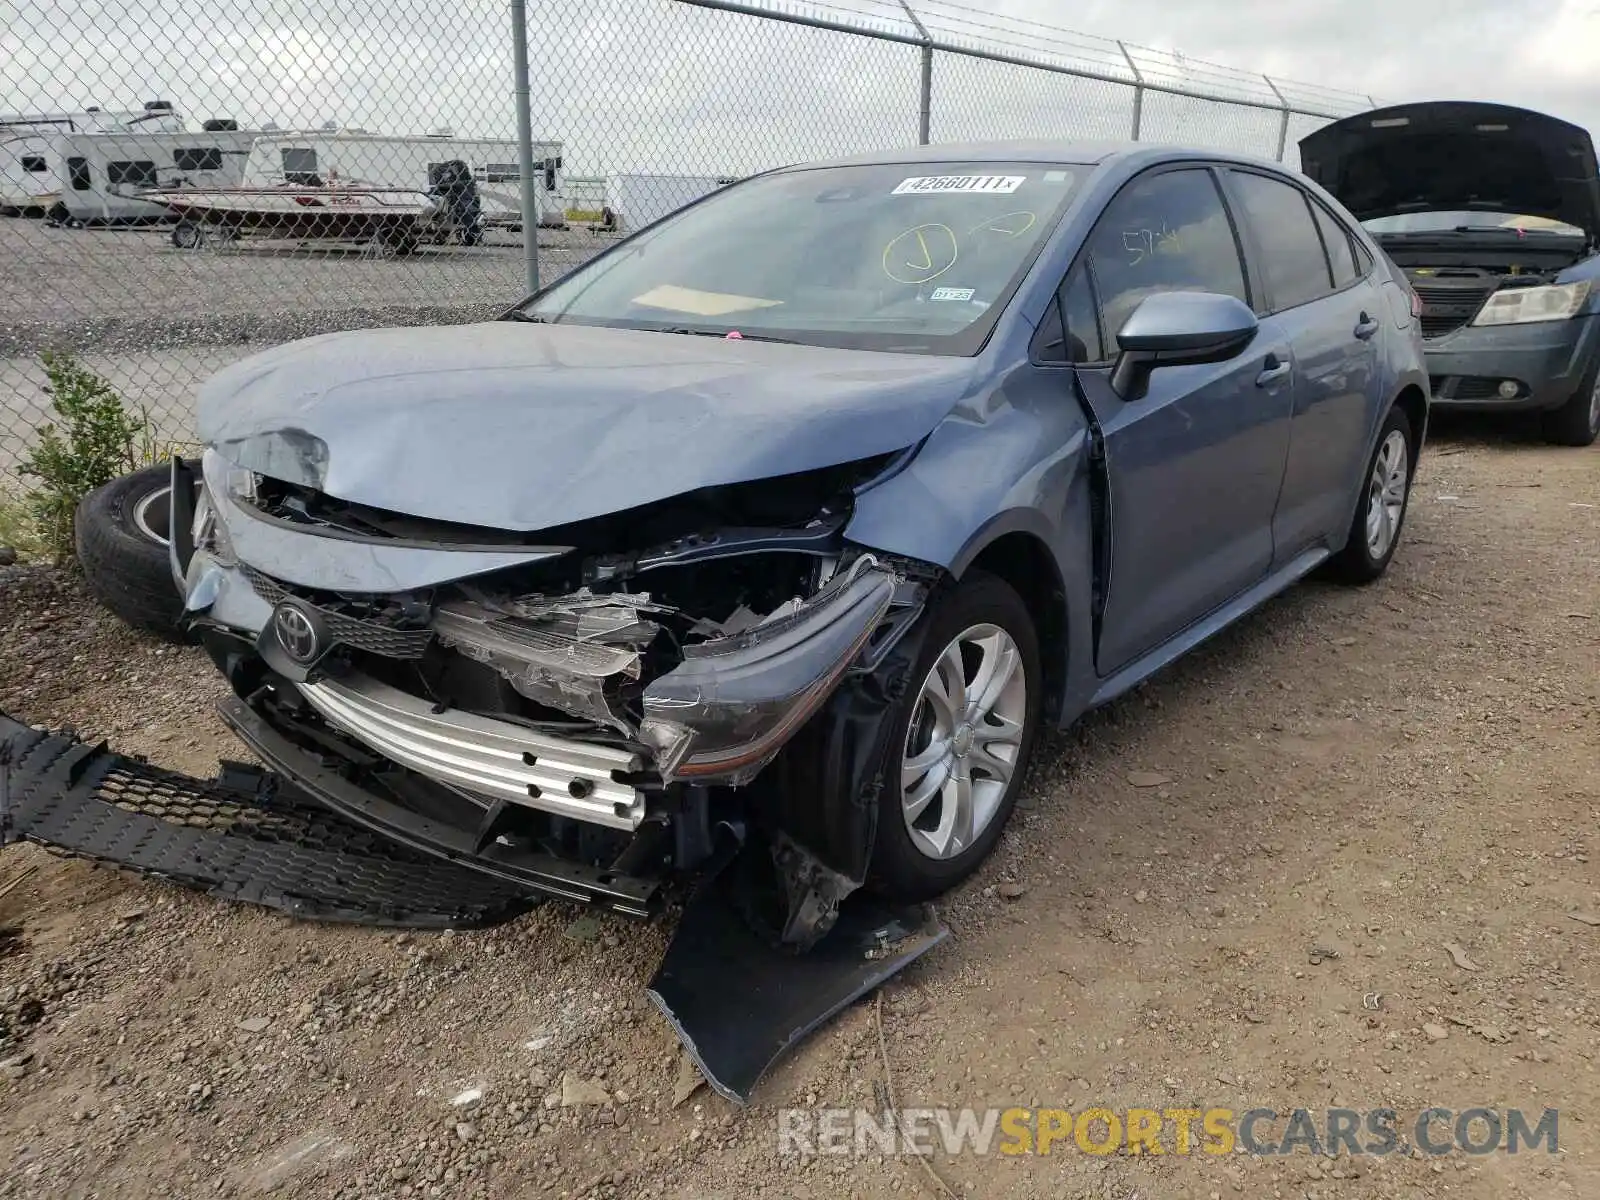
989 184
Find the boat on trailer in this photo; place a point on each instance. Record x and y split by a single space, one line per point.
396 218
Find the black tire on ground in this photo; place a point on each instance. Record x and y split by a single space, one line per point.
399 240
1577 422
1357 563
188 235
120 531
899 869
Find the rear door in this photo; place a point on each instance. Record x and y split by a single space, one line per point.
1333 315
1194 466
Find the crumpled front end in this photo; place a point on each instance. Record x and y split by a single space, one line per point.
612 694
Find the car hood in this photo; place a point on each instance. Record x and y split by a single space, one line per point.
1450 155
519 426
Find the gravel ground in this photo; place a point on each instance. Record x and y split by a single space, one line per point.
1391 790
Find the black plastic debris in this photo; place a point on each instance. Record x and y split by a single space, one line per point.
738 999
243 836
739 1002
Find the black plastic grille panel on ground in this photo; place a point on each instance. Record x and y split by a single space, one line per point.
240 837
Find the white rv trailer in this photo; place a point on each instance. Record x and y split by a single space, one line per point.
28 184
103 173
639 200
379 161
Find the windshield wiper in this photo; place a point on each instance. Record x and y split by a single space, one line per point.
517 314
692 331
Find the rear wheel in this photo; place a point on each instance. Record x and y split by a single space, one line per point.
961 741
1375 529
1577 422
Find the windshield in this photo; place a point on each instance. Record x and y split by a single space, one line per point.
1438 222
918 258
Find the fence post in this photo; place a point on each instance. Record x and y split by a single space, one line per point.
1283 117
1138 90
925 96
530 201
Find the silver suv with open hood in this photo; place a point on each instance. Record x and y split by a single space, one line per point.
1493 213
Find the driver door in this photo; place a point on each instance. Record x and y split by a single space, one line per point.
1194 465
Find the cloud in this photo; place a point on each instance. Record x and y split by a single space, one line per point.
657 85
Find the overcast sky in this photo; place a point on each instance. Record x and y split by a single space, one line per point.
653 84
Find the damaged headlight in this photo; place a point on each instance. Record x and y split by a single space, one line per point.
728 708
1523 306
208 532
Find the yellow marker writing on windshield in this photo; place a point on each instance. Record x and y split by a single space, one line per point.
920 254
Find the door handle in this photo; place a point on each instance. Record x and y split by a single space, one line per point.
1276 368
1366 327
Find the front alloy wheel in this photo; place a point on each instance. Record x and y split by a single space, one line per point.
965 731
962 743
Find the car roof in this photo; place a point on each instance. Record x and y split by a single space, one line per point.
1045 150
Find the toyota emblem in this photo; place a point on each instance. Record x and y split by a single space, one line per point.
297 632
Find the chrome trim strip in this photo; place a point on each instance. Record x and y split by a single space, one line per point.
484 755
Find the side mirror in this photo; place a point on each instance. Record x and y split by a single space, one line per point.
1172 329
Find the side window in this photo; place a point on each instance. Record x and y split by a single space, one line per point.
299 166
131 174
1364 263
1292 260
1167 232
197 158
34 163
78 174
1341 253
1079 341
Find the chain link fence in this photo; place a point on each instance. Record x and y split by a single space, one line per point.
185 183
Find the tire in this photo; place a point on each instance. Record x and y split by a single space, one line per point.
399 241
905 864
120 532
1577 422
1366 555
188 235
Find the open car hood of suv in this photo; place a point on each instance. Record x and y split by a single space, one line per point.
1448 155
520 427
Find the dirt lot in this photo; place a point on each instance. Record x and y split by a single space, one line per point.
1335 793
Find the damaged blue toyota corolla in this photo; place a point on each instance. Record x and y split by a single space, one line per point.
787 523
1005 429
